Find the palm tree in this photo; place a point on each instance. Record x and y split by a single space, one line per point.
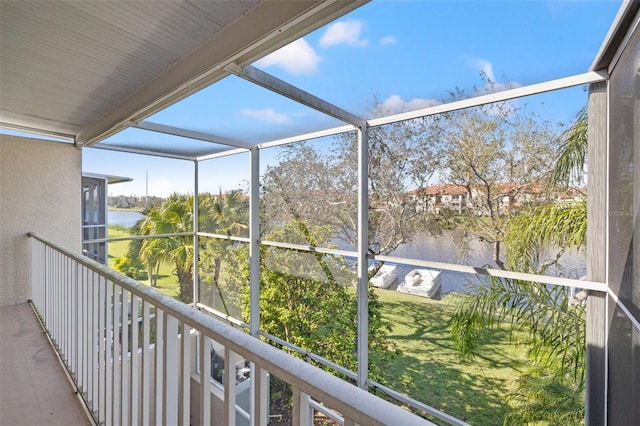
551 389
174 215
554 225
226 214
144 250
132 262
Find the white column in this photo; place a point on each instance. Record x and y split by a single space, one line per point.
258 396
196 239
254 244
363 246
597 209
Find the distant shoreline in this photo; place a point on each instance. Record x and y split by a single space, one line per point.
125 209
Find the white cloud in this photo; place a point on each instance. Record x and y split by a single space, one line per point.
491 84
267 114
394 104
344 32
296 58
484 66
388 40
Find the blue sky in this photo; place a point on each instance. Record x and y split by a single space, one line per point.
405 54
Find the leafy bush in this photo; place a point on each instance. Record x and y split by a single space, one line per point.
132 268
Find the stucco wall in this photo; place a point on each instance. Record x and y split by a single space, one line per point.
40 191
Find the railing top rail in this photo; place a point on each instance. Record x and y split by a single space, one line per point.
137 237
355 403
504 95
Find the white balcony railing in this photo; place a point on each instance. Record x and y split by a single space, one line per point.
138 356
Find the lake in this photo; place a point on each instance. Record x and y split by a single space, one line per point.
123 218
448 248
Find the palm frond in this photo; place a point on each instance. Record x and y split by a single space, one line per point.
550 325
572 153
562 226
540 399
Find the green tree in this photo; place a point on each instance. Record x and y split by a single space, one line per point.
317 183
551 388
497 152
174 215
225 214
147 251
308 300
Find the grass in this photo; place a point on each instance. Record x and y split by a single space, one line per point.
430 369
117 248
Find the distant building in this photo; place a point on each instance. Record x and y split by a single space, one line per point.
434 198
508 195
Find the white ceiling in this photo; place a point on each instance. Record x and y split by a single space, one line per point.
88 69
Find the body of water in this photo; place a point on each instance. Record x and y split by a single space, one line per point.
446 248
450 248
123 218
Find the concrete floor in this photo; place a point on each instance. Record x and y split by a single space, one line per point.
34 389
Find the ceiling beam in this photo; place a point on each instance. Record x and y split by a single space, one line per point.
308 136
616 38
153 153
37 131
274 84
191 134
221 154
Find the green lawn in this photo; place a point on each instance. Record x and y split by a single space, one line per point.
167 282
431 371
117 248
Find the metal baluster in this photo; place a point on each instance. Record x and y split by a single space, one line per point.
124 357
205 380
229 386
117 352
170 370
184 418
159 364
135 370
146 363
